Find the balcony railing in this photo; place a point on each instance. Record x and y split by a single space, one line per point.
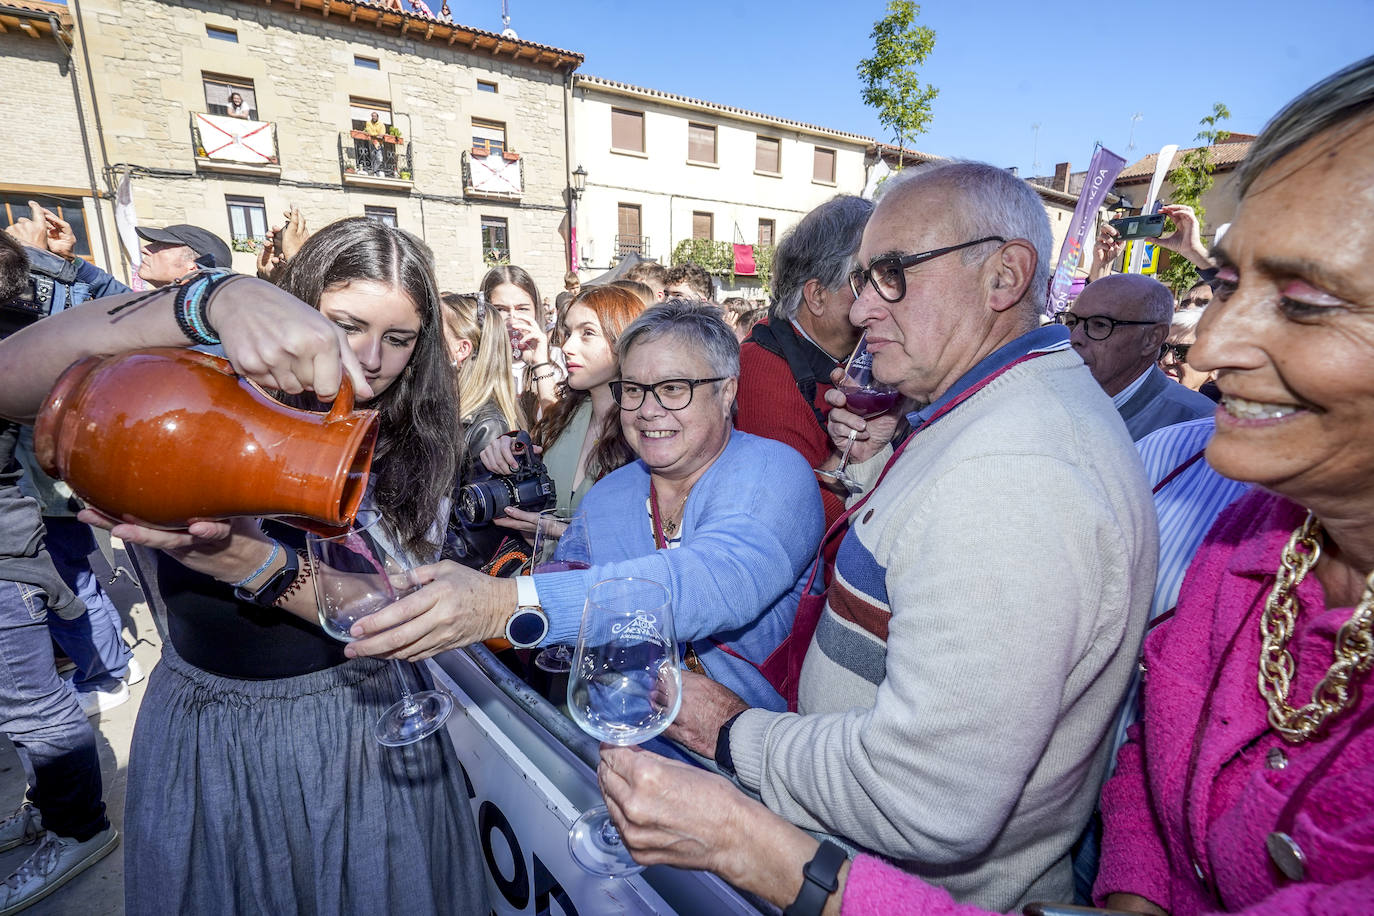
234 144
498 175
365 159
637 244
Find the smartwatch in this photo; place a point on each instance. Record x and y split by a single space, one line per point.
275 586
820 879
527 627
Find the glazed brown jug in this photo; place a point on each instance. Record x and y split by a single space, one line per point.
163 436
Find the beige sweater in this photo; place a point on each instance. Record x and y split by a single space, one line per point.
965 735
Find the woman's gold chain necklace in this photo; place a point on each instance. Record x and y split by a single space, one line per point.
1354 652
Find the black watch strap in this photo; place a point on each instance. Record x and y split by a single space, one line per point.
276 586
820 879
724 759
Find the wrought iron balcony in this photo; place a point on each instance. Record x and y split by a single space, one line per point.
638 244
375 160
498 175
226 144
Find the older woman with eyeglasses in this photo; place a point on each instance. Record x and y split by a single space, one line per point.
1248 786
729 522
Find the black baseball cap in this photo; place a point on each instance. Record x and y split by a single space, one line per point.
201 241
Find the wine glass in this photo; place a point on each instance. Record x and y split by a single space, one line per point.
560 544
625 688
866 396
357 574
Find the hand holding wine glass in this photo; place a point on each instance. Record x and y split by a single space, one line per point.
625 688
865 396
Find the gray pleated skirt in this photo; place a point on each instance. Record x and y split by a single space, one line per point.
273 797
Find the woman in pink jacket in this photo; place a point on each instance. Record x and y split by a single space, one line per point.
1249 784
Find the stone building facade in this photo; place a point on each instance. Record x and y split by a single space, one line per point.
466 104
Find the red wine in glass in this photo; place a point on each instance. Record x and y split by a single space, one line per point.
866 396
561 566
870 402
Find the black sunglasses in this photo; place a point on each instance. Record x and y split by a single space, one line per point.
887 274
1178 351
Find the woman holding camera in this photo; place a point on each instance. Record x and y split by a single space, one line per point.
254 779
580 435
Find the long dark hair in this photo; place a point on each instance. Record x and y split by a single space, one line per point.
516 276
417 453
616 309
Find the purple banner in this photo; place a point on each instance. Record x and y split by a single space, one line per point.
1106 165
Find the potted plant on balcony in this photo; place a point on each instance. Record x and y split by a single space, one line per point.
405 174
248 245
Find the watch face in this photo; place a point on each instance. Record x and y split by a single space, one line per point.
527 627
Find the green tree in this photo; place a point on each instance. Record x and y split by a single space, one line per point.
1192 178
890 81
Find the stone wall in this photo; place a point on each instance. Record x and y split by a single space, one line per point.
44 146
149 56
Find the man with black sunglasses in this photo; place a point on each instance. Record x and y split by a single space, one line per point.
1118 325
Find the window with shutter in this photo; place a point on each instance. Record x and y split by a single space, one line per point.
766 155
825 166
627 130
767 231
701 143
703 225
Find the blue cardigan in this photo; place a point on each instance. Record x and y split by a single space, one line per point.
750 531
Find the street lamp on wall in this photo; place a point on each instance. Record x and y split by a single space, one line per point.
579 184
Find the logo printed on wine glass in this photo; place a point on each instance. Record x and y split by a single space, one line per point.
644 626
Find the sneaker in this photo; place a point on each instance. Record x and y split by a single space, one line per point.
20 828
135 673
94 702
56 861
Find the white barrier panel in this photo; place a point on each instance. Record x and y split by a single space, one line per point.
526 788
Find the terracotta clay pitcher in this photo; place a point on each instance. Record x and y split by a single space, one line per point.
163 436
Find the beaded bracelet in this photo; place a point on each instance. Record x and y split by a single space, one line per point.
271 558
303 576
192 300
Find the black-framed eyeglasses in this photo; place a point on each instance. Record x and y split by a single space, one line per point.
1097 327
888 273
671 393
1179 352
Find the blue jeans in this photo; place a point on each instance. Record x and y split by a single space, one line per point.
94 640
40 714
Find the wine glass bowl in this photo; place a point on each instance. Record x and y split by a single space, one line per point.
865 396
625 688
357 574
559 546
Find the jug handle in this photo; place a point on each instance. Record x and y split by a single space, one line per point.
343 401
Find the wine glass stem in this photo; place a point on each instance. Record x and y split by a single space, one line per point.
844 458
609 835
408 705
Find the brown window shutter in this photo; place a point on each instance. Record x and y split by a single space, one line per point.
627 130
825 165
701 143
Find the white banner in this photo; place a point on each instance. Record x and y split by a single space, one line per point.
1162 163
494 175
236 139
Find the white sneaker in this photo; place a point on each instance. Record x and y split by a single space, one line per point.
56 861
135 673
94 702
20 828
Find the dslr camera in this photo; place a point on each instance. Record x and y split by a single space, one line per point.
486 497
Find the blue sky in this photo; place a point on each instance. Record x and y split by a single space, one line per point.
1000 66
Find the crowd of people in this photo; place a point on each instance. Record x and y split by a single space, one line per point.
1095 629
